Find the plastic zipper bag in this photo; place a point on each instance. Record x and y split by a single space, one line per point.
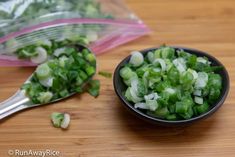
38 29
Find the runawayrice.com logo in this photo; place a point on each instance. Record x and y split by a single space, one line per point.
33 153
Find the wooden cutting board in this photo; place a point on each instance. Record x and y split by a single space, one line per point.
102 127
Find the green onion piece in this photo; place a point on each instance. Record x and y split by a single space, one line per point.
168 53
202 108
94 88
64 93
82 75
136 59
188 114
90 58
105 74
90 70
40 57
152 105
171 117
45 97
128 94
181 107
60 120
150 56
162 112
57 119
198 100
126 73
65 122
43 71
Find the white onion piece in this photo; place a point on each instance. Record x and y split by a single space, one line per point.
152 96
150 56
157 70
170 90
141 106
66 121
134 96
47 43
201 60
145 78
198 100
134 84
92 36
136 58
48 82
161 62
194 73
41 57
180 64
197 92
58 52
202 80
152 104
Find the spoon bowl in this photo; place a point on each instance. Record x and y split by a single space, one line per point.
19 101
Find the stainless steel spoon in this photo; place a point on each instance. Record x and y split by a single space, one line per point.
19 101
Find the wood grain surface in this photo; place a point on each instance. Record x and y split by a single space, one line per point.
102 127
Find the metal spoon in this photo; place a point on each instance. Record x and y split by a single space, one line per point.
19 101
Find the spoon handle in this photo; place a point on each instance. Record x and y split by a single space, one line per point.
14 104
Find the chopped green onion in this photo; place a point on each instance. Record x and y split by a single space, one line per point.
43 71
61 77
162 112
91 36
126 73
94 88
202 80
200 109
47 82
41 56
180 64
45 97
161 62
65 122
136 58
202 60
198 100
197 92
170 83
141 106
90 58
57 119
90 70
60 120
150 57
105 74
181 107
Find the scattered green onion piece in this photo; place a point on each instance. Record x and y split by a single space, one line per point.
105 74
65 122
57 119
94 88
60 120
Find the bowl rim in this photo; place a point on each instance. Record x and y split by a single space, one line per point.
155 119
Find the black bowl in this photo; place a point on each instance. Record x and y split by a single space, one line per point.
120 88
